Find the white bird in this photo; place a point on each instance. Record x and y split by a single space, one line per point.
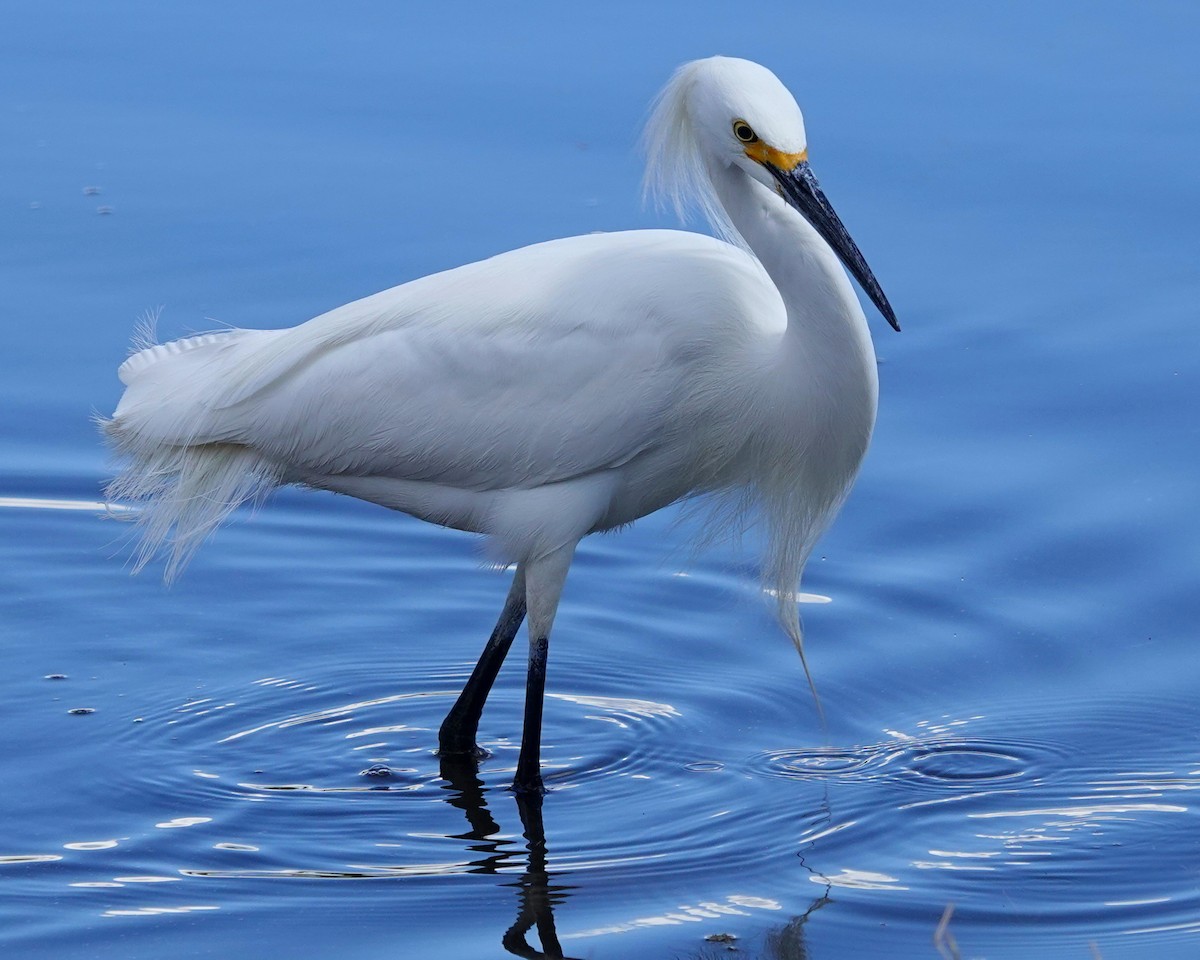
557 390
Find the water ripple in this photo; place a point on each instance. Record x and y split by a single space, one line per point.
1036 811
935 762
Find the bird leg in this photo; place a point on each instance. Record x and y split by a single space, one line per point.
456 738
544 585
529 762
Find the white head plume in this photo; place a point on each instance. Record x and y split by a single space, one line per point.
690 129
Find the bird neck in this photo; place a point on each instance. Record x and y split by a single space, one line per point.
826 326
825 361
806 271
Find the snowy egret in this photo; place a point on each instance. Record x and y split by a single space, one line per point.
557 390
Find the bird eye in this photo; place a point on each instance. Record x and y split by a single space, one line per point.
743 131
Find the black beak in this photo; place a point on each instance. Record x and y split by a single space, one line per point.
800 188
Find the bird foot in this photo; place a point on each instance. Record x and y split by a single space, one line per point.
462 751
529 787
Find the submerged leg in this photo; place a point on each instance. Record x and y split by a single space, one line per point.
543 587
458 731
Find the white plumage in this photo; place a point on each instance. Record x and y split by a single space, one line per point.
557 390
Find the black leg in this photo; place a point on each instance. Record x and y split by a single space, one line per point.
529 763
458 731
545 575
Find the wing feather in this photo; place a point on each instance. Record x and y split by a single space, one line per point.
539 365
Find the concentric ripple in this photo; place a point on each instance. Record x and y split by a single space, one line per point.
968 761
1029 810
938 761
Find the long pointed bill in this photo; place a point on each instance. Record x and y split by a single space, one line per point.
800 188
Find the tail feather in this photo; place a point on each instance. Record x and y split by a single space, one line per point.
184 470
184 492
148 355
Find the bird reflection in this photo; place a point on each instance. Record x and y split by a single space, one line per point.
787 942
537 896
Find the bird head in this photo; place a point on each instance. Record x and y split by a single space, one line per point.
730 112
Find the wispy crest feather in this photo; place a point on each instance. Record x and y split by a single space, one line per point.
676 174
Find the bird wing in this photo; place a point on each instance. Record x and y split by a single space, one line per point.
535 366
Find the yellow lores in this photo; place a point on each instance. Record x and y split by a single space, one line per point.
759 151
786 162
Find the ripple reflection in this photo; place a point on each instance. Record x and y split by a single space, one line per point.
1032 810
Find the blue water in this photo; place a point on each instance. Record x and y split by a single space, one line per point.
1007 659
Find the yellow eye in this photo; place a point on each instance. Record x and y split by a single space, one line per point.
743 131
